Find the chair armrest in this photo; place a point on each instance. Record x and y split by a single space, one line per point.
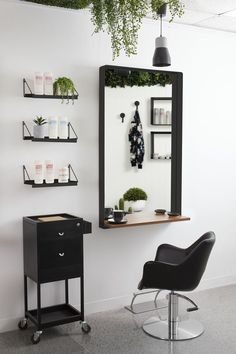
157 275
170 254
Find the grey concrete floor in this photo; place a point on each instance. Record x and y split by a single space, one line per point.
119 332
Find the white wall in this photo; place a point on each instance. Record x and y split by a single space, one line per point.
34 37
155 176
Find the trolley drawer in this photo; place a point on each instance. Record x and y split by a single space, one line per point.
60 253
60 230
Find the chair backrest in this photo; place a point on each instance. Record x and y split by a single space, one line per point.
194 265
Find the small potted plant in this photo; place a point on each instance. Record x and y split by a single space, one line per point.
135 198
39 130
64 87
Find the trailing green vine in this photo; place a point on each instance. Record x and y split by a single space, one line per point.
121 19
136 78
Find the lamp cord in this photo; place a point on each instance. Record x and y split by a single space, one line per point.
160 25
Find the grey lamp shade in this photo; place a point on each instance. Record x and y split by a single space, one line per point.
161 55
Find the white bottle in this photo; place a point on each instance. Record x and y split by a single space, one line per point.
48 84
49 178
38 172
63 128
53 127
38 83
168 117
162 116
63 175
156 116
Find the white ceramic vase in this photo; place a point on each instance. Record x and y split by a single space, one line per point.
138 205
39 131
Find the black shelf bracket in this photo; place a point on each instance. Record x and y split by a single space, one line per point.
26 135
27 92
73 180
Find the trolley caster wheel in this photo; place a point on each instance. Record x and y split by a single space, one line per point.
85 327
35 338
23 324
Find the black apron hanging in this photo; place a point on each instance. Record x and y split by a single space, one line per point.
136 141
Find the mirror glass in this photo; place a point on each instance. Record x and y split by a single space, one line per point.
137 138
140 145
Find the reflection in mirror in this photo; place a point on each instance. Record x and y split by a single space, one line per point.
138 134
135 155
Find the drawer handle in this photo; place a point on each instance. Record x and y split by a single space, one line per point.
78 225
61 233
61 254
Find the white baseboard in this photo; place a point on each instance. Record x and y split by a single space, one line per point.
119 302
9 324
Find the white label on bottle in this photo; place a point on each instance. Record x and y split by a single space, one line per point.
38 170
53 128
49 172
63 175
48 84
38 83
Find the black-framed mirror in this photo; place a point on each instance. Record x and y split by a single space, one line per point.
140 141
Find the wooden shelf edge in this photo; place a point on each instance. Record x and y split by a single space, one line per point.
158 220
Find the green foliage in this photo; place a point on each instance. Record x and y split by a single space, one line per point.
130 210
134 194
75 4
121 19
64 87
40 121
176 7
121 204
136 78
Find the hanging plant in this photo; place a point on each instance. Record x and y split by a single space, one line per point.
121 19
176 8
64 87
136 78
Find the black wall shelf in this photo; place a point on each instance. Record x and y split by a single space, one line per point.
153 99
29 181
56 97
161 158
46 138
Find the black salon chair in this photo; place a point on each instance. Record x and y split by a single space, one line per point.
176 269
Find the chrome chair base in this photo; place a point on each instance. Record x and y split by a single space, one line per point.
183 330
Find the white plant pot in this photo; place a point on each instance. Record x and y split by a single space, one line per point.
138 205
39 131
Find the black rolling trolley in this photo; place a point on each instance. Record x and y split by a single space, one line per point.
53 251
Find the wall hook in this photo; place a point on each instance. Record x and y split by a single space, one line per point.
122 115
137 103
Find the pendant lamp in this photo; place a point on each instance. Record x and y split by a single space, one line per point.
161 55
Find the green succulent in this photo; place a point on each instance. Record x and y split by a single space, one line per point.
40 121
134 194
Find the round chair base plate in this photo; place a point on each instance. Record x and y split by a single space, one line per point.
185 330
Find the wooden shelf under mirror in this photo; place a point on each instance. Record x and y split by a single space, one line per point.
145 218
